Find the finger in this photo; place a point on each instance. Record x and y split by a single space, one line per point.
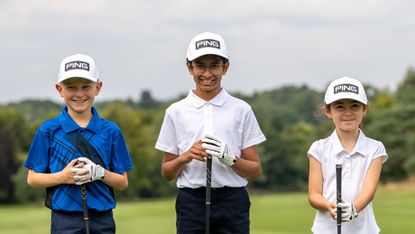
84 160
72 163
75 169
214 153
210 142
198 151
208 136
84 178
207 146
80 171
342 205
81 182
198 157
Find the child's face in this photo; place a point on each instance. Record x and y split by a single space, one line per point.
79 93
207 72
347 114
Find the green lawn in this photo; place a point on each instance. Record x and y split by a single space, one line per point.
287 213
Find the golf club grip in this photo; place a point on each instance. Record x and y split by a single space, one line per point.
208 193
208 180
339 195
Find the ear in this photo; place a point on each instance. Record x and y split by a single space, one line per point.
189 67
225 67
365 109
98 87
59 88
327 111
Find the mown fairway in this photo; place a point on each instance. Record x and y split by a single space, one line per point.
270 214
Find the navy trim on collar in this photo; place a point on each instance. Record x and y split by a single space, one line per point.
69 125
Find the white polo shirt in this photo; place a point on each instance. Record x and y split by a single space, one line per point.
188 120
330 152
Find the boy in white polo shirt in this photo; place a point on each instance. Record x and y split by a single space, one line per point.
210 123
361 158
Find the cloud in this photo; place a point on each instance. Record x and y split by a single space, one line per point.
142 44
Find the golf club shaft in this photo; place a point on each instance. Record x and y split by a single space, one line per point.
208 193
339 196
85 208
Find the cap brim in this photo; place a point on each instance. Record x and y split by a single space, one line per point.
345 96
207 51
84 76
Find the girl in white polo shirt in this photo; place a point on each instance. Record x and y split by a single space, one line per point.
361 158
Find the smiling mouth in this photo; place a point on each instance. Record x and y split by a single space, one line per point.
207 81
79 101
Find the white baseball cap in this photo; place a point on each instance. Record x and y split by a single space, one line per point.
345 88
78 65
207 43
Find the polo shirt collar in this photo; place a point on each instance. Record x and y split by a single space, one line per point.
359 147
69 125
218 100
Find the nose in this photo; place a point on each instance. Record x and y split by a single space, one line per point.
79 92
207 72
349 112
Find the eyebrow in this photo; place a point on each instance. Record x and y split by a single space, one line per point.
216 61
344 102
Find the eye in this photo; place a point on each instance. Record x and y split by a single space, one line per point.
199 66
356 106
339 106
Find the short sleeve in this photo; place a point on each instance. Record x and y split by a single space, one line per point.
252 134
380 152
120 158
167 140
38 156
315 150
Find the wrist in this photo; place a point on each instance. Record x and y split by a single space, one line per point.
60 178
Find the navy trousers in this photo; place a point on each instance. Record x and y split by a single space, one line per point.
64 222
229 211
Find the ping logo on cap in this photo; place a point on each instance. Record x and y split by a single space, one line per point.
76 65
346 88
207 43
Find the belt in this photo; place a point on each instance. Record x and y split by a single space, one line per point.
90 211
218 189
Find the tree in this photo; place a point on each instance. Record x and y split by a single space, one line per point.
13 132
147 101
395 128
406 89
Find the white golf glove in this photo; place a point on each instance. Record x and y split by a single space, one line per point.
217 148
348 211
95 171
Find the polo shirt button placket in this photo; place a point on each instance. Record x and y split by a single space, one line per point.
208 119
347 169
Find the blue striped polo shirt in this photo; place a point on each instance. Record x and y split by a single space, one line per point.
60 140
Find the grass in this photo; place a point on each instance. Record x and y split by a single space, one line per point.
287 213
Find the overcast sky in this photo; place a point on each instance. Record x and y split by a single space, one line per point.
141 44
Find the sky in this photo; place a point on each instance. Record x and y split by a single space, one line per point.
141 45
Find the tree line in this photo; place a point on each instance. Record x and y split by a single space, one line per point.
289 117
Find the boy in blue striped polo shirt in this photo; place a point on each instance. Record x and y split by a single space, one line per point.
79 157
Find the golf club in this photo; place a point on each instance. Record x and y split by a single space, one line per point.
85 207
208 192
339 196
